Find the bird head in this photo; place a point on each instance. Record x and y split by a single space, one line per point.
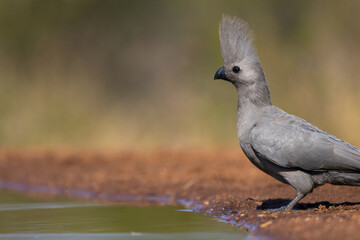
241 64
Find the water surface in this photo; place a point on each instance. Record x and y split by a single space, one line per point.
23 217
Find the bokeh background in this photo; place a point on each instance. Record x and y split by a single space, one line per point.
138 74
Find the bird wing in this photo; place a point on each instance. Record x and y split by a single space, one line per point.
291 142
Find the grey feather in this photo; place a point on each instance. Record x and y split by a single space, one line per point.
291 142
235 40
282 145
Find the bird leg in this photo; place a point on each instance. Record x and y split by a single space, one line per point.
293 202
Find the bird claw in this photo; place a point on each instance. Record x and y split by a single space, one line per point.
280 209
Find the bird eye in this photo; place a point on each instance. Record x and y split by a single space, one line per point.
236 69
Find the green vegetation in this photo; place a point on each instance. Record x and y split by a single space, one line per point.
133 74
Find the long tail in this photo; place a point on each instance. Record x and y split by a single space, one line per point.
344 178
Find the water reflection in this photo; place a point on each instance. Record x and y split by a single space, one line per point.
22 217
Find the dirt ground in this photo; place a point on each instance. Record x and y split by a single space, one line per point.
224 181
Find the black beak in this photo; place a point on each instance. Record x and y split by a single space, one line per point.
221 74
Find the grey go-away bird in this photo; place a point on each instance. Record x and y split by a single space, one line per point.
282 145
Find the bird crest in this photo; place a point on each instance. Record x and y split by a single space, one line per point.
235 40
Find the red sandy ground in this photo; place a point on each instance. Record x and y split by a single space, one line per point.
223 180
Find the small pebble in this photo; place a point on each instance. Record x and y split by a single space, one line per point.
266 224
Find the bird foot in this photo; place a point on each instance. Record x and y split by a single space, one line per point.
280 209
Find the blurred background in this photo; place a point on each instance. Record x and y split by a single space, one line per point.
138 74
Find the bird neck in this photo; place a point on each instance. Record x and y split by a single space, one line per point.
247 115
247 110
257 94
251 102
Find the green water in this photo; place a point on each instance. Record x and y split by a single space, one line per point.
22 217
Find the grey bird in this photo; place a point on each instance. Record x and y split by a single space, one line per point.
284 146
